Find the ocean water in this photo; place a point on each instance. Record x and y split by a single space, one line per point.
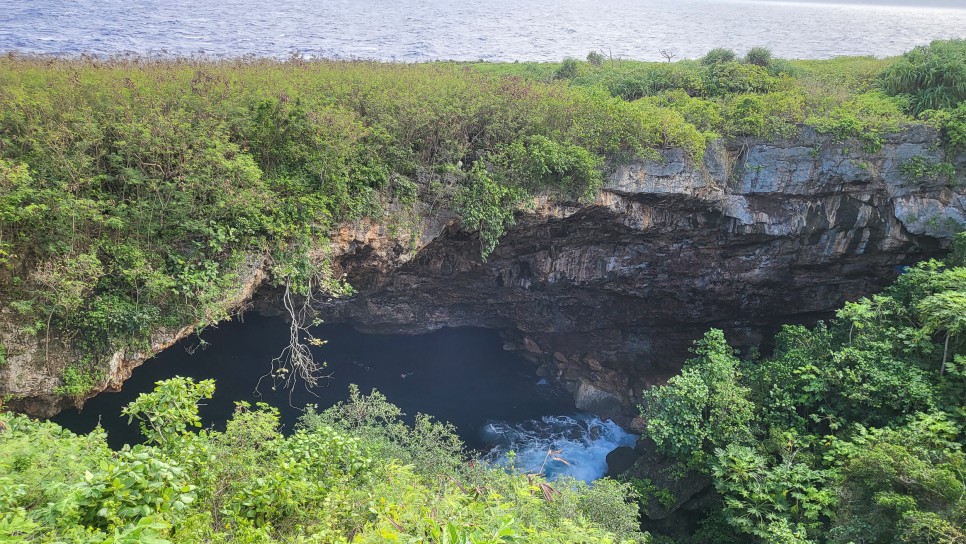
462 376
495 30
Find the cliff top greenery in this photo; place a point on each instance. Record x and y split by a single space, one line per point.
135 193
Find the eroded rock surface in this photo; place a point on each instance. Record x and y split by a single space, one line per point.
606 296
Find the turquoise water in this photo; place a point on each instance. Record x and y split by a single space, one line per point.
422 30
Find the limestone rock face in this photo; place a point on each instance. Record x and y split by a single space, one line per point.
606 296
34 366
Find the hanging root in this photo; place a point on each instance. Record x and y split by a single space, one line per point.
295 364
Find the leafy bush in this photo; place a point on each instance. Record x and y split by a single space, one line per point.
486 206
770 501
920 170
134 485
595 58
772 115
725 78
903 485
538 163
706 115
866 117
952 124
167 412
77 380
704 407
568 69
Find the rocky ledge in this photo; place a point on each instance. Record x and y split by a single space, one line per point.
606 296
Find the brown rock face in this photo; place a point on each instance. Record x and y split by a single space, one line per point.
610 294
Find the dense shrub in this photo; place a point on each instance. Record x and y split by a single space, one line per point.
718 55
773 115
725 78
759 56
568 69
952 124
353 473
866 117
704 407
929 77
706 115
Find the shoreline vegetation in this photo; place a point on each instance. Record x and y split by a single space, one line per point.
134 192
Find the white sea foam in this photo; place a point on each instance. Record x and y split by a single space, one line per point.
581 442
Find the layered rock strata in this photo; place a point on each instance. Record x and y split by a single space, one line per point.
607 295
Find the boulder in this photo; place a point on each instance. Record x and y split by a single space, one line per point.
595 400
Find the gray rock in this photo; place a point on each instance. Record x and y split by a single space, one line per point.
596 400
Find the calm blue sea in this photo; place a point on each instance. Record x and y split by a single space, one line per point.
422 30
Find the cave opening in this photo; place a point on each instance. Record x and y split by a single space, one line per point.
464 376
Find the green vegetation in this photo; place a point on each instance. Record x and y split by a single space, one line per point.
920 169
134 195
719 55
759 56
929 77
353 473
849 432
757 95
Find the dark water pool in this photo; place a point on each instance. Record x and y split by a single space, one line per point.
458 375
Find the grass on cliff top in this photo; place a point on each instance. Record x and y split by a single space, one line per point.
727 96
134 192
